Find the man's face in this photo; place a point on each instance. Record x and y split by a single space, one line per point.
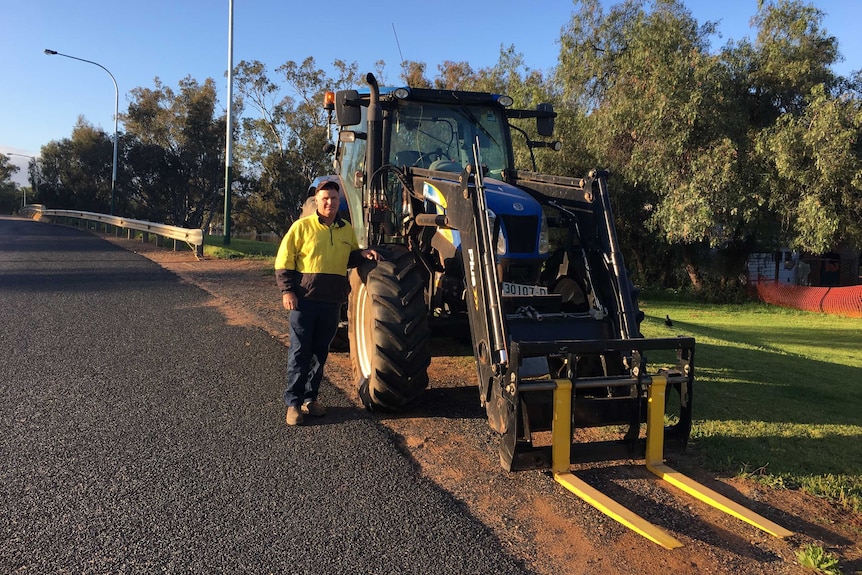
327 203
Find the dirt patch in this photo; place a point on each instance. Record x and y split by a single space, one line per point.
534 517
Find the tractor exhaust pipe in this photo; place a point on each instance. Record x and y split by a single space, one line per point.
373 157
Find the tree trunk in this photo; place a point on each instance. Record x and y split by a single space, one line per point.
692 269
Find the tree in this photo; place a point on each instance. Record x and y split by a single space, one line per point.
76 171
815 171
659 117
694 138
793 55
282 144
175 153
413 74
807 146
9 198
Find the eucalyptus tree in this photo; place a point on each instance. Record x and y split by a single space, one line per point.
657 117
9 198
175 152
814 162
75 172
284 135
694 136
808 149
7 169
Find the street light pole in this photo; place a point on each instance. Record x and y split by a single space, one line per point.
228 156
35 180
116 115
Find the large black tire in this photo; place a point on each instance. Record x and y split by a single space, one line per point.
388 330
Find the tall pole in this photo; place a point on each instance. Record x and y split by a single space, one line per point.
116 116
228 155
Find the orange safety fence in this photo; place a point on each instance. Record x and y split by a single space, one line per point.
846 301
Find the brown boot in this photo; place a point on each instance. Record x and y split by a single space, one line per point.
294 416
314 409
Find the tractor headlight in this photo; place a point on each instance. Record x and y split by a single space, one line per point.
544 237
505 101
501 237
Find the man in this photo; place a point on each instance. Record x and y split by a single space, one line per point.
311 270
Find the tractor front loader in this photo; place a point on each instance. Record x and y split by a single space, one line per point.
531 263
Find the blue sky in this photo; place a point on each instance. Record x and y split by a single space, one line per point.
42 96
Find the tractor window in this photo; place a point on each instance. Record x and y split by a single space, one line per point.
351 158
441 137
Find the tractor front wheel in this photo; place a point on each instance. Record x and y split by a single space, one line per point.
388 330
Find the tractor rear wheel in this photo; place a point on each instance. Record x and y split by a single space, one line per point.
388 330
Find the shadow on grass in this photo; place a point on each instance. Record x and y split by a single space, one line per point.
745 384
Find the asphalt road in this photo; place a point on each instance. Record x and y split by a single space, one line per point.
141 433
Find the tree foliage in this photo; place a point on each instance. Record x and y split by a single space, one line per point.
282 145
9 198
815 171
175 152
716 150
76 171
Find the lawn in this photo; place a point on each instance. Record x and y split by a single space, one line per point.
778 393
214 247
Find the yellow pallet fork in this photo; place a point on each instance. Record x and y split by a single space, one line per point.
561 449
537 402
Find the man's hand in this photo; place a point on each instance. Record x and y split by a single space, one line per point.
371 255
289 300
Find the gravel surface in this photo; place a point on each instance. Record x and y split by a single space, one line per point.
141 433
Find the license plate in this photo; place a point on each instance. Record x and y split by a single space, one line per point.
512 289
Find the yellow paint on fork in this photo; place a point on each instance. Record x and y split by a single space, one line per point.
655 463
561 435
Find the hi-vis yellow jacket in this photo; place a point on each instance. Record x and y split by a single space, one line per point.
313 258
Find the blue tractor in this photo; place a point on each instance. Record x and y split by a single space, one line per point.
523 264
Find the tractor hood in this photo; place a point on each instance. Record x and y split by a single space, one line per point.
517 215
505 198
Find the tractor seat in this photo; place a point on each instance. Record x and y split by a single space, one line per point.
446 165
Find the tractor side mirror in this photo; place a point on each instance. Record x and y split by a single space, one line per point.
545 121
347 113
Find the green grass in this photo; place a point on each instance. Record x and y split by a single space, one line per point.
214 247
778 393
818 560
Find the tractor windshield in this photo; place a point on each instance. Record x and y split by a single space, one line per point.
441 137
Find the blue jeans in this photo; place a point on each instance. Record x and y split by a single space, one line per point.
312 327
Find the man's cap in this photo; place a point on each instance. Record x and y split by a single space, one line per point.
327 184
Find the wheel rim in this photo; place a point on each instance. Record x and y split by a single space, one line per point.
364 329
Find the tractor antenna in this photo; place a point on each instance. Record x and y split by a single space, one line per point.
398 44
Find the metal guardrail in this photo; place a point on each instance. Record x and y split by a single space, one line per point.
193 237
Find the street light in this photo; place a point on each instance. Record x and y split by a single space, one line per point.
116 115
35 180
